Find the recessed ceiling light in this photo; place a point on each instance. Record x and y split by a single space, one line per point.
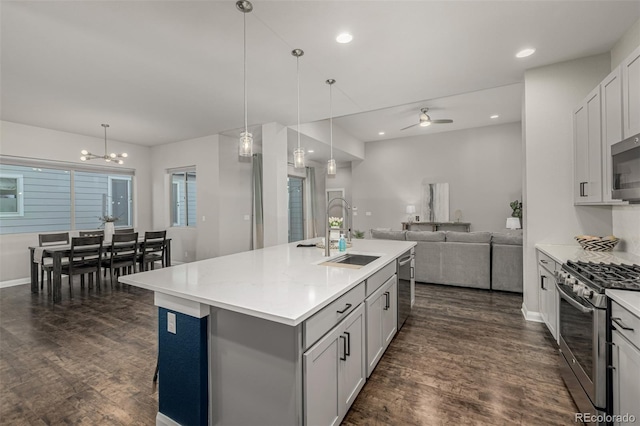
381 133
344 38
525 52
494 116
310 151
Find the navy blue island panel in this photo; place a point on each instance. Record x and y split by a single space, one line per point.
183 369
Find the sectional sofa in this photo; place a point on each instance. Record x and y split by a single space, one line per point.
468 259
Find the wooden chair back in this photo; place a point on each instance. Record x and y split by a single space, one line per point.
153 248
53 239
123 250
92 233
85 255
123 231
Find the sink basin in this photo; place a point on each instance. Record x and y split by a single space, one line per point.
355 261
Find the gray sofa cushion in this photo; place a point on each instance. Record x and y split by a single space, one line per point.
437 236
468 237
506 267
388 235
508 239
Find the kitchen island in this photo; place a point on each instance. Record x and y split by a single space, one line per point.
270 336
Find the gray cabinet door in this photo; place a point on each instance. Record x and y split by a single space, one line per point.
390 314
321 380
351 368
626 377
630 90
611 92
375 347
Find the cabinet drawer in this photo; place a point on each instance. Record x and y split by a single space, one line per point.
547 262
323 321
626 323
376 280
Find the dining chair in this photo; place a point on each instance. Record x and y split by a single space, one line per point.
85 258
153 249
123 231
121 255
46 264
92 233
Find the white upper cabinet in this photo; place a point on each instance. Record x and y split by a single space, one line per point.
588 150
611 93
631 94
608 115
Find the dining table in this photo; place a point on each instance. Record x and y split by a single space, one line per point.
57 253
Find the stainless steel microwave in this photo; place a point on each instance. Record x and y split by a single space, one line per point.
625 158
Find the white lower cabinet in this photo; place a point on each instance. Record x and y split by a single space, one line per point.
626 378
382 321
548 295
334 371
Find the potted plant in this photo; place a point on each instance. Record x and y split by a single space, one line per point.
358 234
516 207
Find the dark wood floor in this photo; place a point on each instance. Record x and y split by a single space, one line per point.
463 357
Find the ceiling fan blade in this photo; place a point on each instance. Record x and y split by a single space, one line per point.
408 127
442 121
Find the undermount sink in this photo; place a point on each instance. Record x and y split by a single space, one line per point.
351 260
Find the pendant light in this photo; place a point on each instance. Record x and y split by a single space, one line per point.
298 153
331 164
116 158
245 146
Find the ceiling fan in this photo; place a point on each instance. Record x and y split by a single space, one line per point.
425 120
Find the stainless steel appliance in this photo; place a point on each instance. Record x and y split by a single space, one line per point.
625 158
406 285
585 333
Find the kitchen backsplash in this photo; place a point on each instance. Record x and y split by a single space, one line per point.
626 226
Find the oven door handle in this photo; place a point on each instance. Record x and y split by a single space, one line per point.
579 306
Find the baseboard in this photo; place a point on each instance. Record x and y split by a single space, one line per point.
13 283
162 420
531 315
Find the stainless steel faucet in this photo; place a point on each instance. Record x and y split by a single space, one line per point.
327 239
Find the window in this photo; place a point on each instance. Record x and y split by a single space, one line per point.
40 196
11 200
295 186
183 198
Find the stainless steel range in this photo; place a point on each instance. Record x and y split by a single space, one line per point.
585 334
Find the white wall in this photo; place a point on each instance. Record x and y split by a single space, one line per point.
37 143
202 241
481 165
343 141
551 94
627 43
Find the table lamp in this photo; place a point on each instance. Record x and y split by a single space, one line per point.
411 210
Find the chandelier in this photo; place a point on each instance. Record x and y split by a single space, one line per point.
117 158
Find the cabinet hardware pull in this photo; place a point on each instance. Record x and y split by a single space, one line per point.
344 348
618 322
542 277
348 348
346 308
611 367
543 261
386 300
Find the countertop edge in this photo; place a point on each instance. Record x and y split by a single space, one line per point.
622 298
126 279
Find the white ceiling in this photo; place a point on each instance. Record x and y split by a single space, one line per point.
164 71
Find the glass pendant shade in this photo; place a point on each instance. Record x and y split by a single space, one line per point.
331 167
245 148
298 158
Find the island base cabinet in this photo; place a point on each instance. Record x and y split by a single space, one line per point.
334 371
382 321
625 379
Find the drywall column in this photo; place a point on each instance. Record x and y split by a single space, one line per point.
551 94
274 184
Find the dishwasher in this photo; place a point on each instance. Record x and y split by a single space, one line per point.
406 285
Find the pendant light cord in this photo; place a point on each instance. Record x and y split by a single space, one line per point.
331 115
298 74
244 48
105 140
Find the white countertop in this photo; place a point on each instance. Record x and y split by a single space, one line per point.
283 283
562 253
630 300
